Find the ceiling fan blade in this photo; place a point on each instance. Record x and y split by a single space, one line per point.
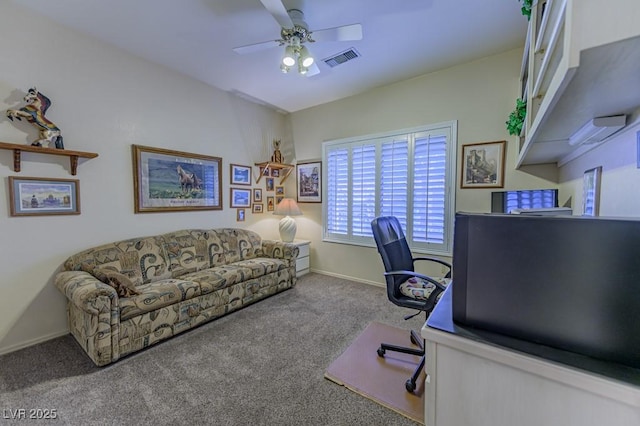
344 33
279 12
313 70
256 47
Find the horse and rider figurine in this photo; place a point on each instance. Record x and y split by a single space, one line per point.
33 112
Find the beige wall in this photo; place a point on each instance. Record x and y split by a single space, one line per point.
479 95
104 100
620 174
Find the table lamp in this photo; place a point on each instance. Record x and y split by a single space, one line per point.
287 208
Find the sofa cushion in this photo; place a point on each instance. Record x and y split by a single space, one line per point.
123 285
262 265
219 277
156 295
240 244
193 250
140 259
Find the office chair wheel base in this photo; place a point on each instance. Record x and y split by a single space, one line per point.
410 385
381 352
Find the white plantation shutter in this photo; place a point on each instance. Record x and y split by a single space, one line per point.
394 180
363 184
429 189
407 174
338 191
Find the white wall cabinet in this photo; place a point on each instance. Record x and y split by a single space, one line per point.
581 61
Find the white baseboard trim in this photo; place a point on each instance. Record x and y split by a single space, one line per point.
32 342
347 277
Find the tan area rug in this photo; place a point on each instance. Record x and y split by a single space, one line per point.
382 380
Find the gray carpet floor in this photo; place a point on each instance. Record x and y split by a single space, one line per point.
262 365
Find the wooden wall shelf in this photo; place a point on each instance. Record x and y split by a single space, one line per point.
268 165
73 155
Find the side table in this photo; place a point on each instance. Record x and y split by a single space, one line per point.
302 263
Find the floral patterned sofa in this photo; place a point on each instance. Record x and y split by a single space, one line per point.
127 295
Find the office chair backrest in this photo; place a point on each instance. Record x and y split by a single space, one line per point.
393 248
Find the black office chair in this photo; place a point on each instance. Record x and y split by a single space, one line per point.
405 287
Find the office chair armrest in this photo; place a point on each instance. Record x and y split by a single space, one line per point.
418 275
433 259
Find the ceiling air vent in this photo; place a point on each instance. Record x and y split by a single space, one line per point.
342 57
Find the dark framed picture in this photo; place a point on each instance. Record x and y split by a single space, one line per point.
33 196
279 190
275 172
240 198
271 203
591 192
309 181
257 208
257 195
240 214
240 175
483 165
165 180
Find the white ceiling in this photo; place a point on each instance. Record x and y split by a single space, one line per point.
401 39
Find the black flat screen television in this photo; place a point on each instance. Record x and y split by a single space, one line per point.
568 282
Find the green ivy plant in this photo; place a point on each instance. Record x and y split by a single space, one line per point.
516 118
526 8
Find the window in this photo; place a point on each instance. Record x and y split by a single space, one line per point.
408 174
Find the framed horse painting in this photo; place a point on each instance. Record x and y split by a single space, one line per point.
166 180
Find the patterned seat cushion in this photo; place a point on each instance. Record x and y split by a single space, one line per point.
156 295
419 289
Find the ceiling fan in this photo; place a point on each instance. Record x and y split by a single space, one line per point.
295 33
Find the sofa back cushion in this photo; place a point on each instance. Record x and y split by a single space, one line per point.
192 250
240 244
141 259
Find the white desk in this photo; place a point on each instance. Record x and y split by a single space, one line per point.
475 383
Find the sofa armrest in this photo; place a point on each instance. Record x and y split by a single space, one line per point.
87 292
280 250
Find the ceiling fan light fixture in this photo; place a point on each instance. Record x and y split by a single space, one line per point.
285 69
305 58
302 69
289 58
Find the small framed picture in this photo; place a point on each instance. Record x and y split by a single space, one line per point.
279 190
240 215
240 198
279 198
257 195
591 192
32 196
257 208
275 173
271 203
240 175
270 184
309 181
483 165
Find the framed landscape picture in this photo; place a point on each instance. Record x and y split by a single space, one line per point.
483 165
31 196
240 197
166 180
309 182
240 175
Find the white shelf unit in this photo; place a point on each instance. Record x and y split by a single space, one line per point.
580 61
302 262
